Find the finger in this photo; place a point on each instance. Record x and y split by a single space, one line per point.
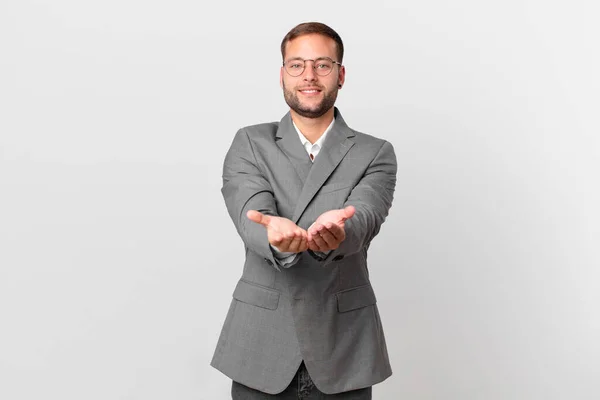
309 239
303 244
329 239
348 212
276 239
301 232
337 231
319 242
314 238
301 235
285 243
313 246
258 217
295 243
315 229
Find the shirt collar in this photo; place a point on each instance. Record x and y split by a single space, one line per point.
320 141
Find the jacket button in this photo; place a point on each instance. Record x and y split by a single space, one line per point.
269 261
338 258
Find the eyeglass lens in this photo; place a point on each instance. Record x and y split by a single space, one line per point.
322 66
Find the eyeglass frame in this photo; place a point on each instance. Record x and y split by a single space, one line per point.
313 66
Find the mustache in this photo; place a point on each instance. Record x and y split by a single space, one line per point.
310 87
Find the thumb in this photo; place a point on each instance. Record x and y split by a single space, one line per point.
348 212
258 217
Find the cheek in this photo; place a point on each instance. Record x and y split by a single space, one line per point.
331 82
285 83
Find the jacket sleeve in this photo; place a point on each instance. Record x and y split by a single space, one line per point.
246 188
372 198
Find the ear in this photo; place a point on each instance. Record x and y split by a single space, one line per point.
281 77
342 76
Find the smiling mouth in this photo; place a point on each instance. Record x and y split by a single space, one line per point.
310 91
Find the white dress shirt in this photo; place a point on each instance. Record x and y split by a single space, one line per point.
316 146
287 259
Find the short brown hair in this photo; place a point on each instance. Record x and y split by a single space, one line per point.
308 28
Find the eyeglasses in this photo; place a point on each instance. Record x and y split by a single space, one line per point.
321 65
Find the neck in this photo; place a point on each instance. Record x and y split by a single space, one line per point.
312 128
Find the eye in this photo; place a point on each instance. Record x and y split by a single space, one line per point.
295 65
323 64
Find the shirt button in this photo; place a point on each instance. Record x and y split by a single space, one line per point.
269 261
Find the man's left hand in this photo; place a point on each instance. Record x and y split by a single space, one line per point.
327 232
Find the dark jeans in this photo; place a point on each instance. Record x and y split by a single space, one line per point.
301 388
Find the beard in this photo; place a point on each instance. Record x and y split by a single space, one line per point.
316 111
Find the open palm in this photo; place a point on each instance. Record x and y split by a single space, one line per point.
282 233
328 231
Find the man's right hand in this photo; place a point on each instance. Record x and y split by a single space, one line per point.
282 233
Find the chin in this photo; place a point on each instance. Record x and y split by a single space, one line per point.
311 113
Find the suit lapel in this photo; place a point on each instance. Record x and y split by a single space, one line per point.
335 147
289 143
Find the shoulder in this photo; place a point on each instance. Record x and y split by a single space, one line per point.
263 130
369 141
358 137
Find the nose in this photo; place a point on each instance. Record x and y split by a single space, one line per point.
309 71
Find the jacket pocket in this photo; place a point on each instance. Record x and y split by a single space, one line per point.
256 295
354 298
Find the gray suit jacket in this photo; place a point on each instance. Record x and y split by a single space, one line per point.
322 311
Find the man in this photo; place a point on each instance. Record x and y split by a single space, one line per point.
307 195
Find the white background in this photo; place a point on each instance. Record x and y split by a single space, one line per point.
117 256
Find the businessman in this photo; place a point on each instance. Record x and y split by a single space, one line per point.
307 196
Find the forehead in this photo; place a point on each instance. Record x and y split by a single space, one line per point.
311 46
